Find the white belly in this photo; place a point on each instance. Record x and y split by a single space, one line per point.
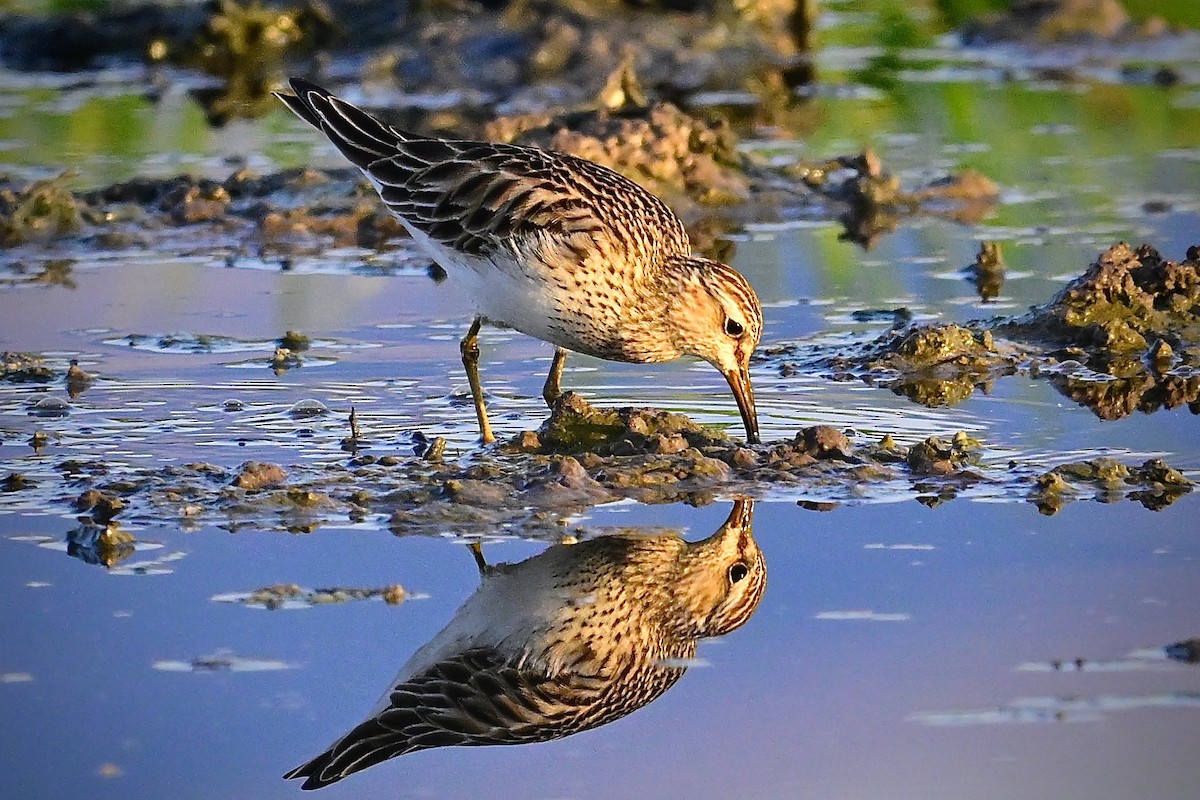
501 293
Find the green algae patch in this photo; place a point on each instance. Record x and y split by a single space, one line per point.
935 365
575 426
1124 337
1058 22
39 212
1125 300
1153 483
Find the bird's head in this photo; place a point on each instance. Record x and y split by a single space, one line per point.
717 317
724 575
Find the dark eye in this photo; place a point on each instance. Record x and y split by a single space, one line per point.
738 572
734 328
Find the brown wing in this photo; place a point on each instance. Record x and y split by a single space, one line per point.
479 198
474 698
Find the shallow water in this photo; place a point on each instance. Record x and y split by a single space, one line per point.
900 650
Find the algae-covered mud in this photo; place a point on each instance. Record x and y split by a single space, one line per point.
240 477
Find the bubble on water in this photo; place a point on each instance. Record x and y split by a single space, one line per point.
50 407
233 405
308 408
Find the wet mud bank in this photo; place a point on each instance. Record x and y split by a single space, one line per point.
532 484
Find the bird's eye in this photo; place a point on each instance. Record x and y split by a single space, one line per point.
738 572
734 328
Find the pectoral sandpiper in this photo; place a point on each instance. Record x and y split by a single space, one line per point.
575 637
555 246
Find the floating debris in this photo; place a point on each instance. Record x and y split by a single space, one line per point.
863 615
288 596
1041 710
223 661
16 677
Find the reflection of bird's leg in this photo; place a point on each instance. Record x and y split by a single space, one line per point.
553 389
469 347
477 551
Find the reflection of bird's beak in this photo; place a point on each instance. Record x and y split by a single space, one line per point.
743 392
741 514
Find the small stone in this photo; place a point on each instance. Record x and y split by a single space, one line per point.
744 458
825 441
669 444
14 482
394 595
529 442
1160 355
255 475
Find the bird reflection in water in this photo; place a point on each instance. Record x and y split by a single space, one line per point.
573 638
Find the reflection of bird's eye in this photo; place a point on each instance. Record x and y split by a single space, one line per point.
737 572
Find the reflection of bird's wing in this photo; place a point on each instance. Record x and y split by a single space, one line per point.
473 698
478 198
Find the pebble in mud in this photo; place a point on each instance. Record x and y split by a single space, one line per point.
102 507
24 367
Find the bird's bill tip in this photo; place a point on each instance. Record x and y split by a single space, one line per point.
743 393
742 513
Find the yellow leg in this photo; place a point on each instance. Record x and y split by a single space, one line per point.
469 347
477 551
553 388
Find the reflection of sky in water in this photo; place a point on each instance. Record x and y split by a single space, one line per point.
790 704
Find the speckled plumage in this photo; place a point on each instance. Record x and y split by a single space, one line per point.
555 246
573 638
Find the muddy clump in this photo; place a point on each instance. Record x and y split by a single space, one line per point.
24 368
1121 338
38 212
669 152
257 475
533 484
935 365
876 201
1053 22
221 37
1128 333
291 596
1125 301
1154 484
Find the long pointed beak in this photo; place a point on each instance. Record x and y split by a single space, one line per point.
743 393
742 513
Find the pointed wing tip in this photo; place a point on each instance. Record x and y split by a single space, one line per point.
311 778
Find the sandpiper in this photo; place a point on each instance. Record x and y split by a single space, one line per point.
554 246
575 637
